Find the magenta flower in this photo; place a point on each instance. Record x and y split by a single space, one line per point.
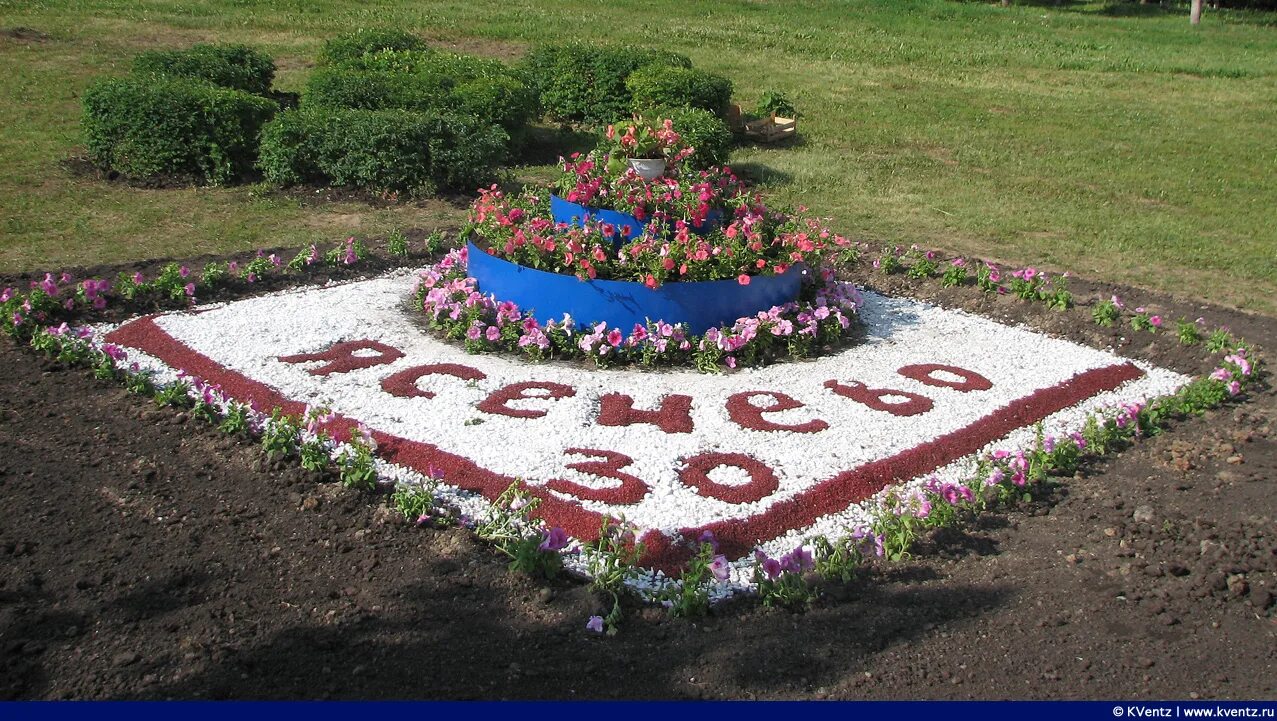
614 338
797 560
190 289
183 271
708 537
1155 321
771 567
1234 388
553 539
720 568
595 624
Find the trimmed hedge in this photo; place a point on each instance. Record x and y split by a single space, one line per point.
230 66
385 151
705 132
150 127
664 86
587 84
351 46
450 84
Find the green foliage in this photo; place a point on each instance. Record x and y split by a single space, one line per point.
955 275
364 41
413 502
174 394
279 436
775 102
509 527
1188 333
689 598
1105 313
236 420
355 463
387 151
238 67
669 86
176 127
438 82
397 244
584 83
705 132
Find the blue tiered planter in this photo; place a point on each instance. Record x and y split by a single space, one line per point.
621 304
627 226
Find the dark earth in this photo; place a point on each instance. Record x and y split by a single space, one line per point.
143 555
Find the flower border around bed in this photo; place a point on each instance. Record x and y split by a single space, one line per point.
820 321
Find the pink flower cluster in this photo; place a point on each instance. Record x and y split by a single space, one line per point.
798 560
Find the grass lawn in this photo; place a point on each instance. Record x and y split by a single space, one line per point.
1133 148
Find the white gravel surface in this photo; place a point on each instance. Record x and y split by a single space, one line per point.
250 335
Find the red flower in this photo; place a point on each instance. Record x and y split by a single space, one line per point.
742 279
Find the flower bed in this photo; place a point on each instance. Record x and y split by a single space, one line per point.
728 482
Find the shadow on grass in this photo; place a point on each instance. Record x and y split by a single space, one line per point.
544 145
760 175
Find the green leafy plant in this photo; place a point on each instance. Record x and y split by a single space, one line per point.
176 127
1189 333
355 465
690 596
238 67
781 581
612 560
1105 313
354 45
236 420
955 274
671 86
279 435
774 102
385 151
508 526
414 502
397 244
583 83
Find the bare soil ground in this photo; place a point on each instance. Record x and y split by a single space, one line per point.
144 555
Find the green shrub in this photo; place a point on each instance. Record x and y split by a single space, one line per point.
501 100
664 86
341 87
189 129
230 66
585 83
705 132
438 82
353 45
385 151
